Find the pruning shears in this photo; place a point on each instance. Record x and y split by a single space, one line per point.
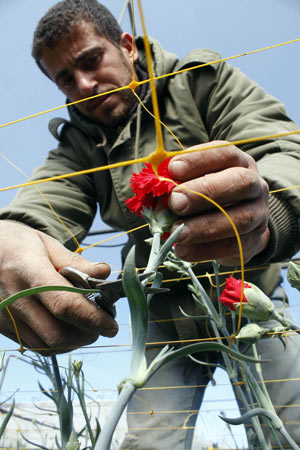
109 291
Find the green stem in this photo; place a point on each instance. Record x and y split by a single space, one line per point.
285 322
255 422
288 438
80 395
268 405
156 260
4 370
69 380
251 382
216 272
60 393
106 435
154 251
204 297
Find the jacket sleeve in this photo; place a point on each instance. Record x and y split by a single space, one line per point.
63 209
239 109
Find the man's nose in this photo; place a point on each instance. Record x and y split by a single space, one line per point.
86 84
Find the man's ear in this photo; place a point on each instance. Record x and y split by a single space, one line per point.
128 45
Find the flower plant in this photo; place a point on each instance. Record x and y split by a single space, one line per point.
151 192
150 200
255 304
61 393
9 413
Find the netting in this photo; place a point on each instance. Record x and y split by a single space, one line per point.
95 350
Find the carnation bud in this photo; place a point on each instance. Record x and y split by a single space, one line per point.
258 306
77 365
293 275
73 443
251 333
160 219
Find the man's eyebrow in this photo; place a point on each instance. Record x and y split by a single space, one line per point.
78 59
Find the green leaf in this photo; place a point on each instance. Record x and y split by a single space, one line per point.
276 422
155 285
73 443
45 392
6 418
210 346
57 444
65 419
33 443
196 316
169 354
138 313
37 290
204 363
51 411
98 429
80 432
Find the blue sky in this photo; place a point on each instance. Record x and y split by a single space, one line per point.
230 27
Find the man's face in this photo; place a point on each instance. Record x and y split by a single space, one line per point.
84 64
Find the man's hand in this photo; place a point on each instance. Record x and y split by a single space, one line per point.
53 321
230 177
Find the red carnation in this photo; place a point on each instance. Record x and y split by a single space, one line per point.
256 305
148 187
232 293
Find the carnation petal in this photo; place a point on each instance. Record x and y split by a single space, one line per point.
147 187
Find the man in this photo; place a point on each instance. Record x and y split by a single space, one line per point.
81 48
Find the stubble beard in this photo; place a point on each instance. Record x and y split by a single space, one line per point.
117 116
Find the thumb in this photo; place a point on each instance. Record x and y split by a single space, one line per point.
61 257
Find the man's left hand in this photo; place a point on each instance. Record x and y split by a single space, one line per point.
230 177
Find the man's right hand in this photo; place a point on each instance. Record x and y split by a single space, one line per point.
51 322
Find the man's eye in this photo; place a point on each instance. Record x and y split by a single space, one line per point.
65 82
92 61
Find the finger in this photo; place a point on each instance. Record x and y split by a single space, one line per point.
75 309
225 251
185 167
215 225
67 307
61 257
58 318
39 329
227 187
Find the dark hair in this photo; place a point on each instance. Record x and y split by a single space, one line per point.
59 20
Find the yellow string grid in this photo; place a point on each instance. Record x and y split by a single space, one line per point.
155 158
160 153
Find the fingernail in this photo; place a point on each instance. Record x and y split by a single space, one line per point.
103 268
178 201
101 264
179 168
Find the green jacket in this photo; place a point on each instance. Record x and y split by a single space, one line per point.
209 103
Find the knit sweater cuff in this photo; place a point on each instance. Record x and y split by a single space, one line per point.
284 233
